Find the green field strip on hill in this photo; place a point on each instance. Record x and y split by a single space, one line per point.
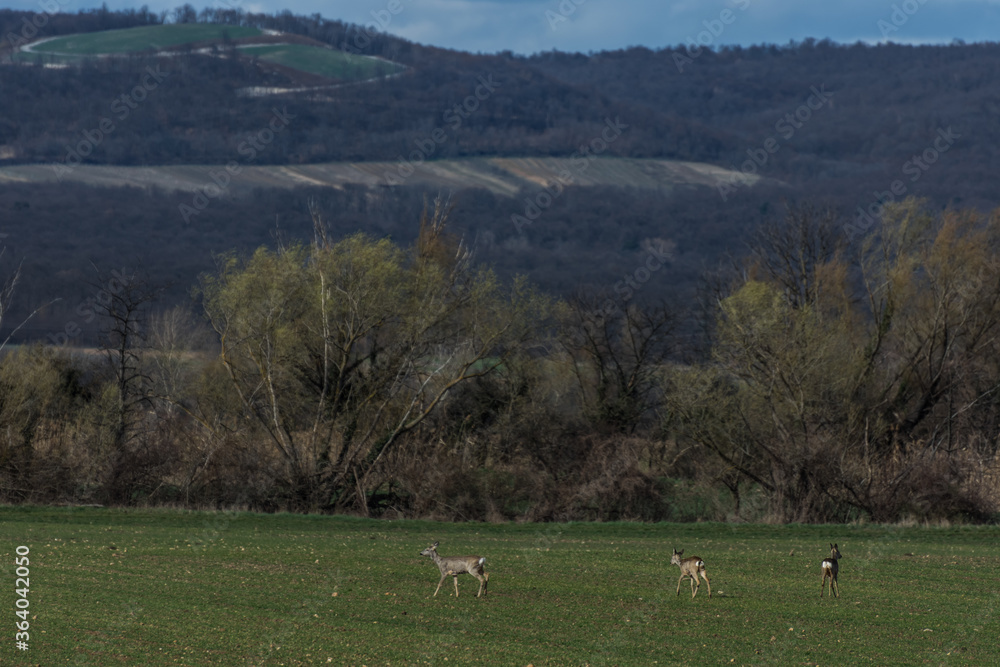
324 62
143 38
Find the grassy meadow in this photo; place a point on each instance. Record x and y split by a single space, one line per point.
331 63
163 587
312 59
143 38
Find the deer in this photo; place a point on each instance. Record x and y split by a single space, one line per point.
691 567
456 565
830 569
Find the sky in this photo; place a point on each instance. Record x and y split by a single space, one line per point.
530 26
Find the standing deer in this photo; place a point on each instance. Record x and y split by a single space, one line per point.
691 567
830 569
456 565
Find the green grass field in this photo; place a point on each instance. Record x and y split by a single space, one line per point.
131 40
114 587
325 62
315 60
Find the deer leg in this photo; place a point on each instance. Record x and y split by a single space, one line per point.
822 585
482 582
833 581
486 576
705 577
454 578
679 584
694 586
443 577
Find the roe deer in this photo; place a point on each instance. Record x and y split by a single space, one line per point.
691 567
456 565
830 569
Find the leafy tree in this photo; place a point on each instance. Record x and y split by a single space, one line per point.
771 404
929 391
37 401
832 398
339 349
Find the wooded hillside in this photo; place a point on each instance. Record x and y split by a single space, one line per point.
810 341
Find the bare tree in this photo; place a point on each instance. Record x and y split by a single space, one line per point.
616 356
800 254
124 301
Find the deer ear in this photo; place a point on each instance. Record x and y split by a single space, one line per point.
433 546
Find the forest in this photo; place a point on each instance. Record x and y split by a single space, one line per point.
589 237
887 106
816 346
827 382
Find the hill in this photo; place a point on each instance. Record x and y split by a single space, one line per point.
820 122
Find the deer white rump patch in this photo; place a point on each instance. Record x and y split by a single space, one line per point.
827 565
701 563
482 560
